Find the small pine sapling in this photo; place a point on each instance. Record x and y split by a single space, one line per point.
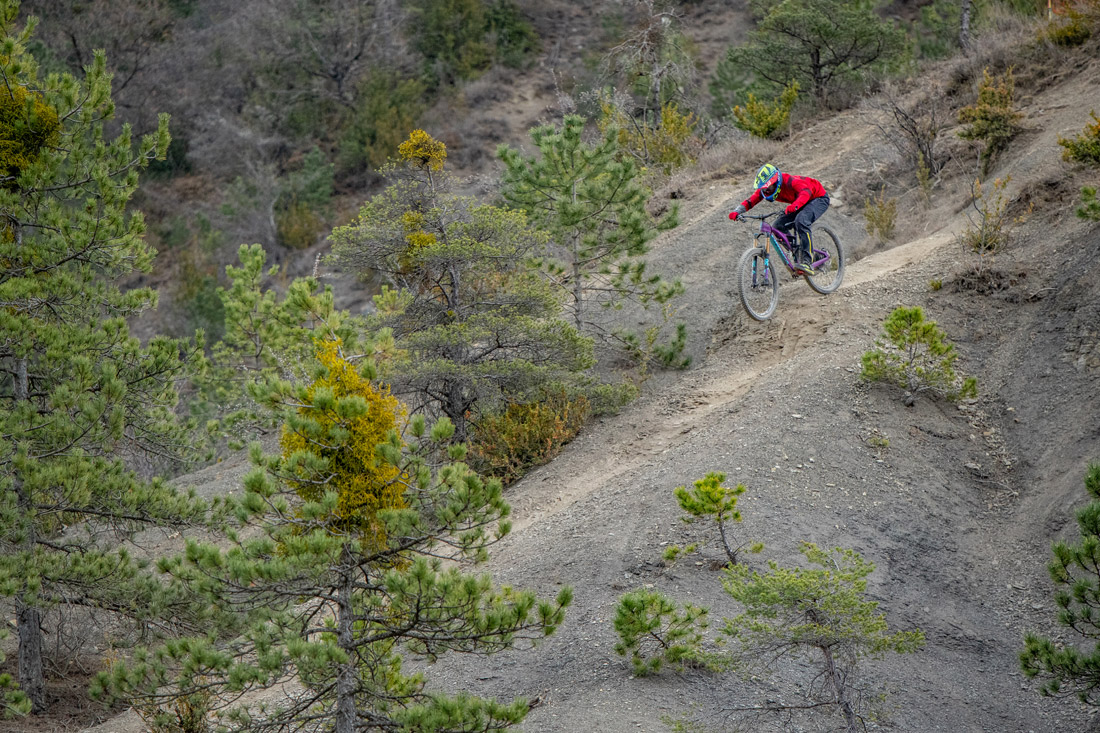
1069 669
880 215
710 499
991 224
915 354
654 630
1089 210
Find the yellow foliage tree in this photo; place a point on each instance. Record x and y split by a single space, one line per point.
344 418
423 151
27 124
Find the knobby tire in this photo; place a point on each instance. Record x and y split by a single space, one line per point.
828 278
758 286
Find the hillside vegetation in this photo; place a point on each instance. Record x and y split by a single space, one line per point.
463 502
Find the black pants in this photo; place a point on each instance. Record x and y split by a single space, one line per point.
803 219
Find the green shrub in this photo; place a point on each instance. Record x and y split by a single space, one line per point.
1068 30
1085 148
509 444
654 631
991 225
763 119
298 226
1090 206
304 201
389 106
1068 662
880 215
513 38
991 120
668 142
451 37
937 30
914 354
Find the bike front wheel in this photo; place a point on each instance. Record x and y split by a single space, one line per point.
757 284
828 261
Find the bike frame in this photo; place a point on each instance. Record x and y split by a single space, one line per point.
781 241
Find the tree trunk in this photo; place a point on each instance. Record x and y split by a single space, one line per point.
840 689
28 618
578 290
456 410
817 74
730 552
347 718
964 26
32 676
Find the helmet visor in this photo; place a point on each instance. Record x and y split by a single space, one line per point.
768 189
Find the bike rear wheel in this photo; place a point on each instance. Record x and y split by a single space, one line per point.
828 261
757 284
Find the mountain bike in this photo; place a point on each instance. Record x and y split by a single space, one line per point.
758 281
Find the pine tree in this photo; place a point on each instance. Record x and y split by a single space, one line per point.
821 44
479 327
78 394
356 565
589 198
916 355
819 611
269 335
1067 669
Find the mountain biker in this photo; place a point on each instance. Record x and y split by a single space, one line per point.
807 200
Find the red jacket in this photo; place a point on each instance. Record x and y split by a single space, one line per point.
794 190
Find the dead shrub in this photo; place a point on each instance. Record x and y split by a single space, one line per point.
982 279
912 126
509 444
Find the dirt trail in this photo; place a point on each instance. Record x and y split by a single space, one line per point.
663 422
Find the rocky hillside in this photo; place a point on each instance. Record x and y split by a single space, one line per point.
955 505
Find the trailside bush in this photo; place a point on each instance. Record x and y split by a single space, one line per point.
1085 148
991 225
764 119
880 215
991 120
914 354
509 444
668 142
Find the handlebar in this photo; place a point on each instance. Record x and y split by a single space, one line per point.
760 217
